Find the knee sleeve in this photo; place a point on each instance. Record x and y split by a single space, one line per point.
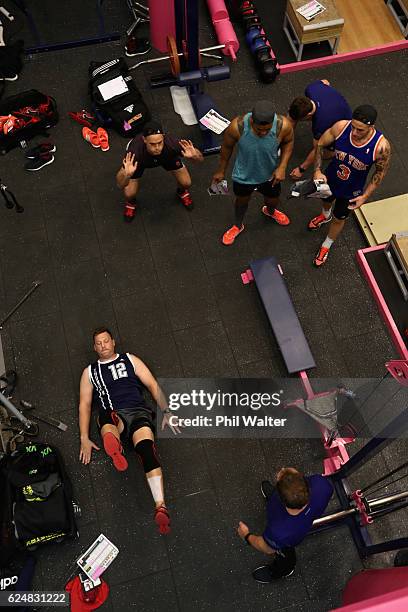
146 450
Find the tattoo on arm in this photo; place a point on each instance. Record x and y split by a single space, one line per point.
318 157
382 164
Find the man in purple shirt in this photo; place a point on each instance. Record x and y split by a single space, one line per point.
292 506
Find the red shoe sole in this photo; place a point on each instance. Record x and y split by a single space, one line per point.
162 520
113 448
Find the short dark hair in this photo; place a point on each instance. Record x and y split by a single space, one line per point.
101 330
293 489
152 127
300 108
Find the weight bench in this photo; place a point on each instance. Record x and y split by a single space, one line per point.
268 277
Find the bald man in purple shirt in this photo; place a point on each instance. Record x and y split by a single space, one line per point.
292 506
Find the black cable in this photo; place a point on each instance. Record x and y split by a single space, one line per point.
382 478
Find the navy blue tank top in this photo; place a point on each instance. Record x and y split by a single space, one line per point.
115 384
348 171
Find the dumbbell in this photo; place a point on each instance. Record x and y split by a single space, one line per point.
263 54
268 70
251 34
258 42
251 21
248 4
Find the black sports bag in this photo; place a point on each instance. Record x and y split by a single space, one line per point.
116 98
24 116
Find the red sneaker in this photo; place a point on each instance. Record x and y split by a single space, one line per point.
162 520
103 139
83 118
321 256
91 137
277 216
186 199
129 212
230 235
114 449
318 221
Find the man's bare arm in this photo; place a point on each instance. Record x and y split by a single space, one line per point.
85 404
149 381
286 137
259 543
325 140
382 163
230 139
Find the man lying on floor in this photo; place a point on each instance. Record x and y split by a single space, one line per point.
114 383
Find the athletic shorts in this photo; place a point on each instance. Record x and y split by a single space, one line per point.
169 164
340 209
132 418
267 189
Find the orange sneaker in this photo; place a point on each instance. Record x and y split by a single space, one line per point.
91 137
103 138
318 221
230 235
321 256
277 216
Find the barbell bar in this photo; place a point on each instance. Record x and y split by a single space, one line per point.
173 56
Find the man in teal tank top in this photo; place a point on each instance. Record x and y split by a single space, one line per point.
259 136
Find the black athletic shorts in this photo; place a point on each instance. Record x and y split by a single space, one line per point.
340 209
267 189
167 162
132 418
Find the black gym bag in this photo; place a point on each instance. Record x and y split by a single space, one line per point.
126 111
32 113
40 492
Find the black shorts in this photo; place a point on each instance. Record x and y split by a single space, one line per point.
169 164
132 419
340 209
267 189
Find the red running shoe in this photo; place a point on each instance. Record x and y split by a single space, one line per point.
83 117
162 520
186 199
129 212
321 256
114 449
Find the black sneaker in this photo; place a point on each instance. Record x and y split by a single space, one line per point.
10 77
137 46
265 575
39 162
43 147
267 489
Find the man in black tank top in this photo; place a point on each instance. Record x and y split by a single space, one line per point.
151 149
114 383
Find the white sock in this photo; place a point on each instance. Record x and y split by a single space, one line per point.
156 486
327 243
326 213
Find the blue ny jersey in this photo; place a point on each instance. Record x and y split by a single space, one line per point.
330 107
348 171
116 385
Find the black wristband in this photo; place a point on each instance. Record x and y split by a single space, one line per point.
301 169
246 538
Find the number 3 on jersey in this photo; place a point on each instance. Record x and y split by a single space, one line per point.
118 370
343 172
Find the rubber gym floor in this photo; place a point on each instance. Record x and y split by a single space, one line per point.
173 295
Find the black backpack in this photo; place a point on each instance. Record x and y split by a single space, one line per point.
24 116
125 111
40 493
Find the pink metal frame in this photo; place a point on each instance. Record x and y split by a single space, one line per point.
381 303
343 57
336 451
